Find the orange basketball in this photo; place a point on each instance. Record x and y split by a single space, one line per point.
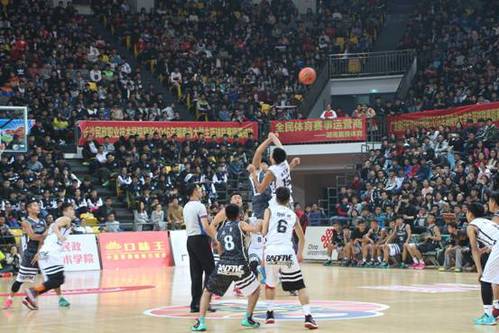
307 76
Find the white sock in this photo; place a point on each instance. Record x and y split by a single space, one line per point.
363 259
496 304
379 259
9 297
270 306
306 309
416 261
487 309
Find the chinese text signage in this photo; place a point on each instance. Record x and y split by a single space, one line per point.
115 129
320 130
81 253
135 249
448 117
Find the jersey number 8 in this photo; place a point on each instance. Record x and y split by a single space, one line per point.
229 243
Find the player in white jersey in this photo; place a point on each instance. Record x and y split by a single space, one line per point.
51 257
278 174
494 208
281 262
486 233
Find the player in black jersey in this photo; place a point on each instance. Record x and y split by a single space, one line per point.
337 242
430 243
374 240
394 245
34 232
233 266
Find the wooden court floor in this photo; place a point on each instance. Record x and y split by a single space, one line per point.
344 300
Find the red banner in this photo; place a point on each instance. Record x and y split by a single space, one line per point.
448 117
115 129
320 130
135 249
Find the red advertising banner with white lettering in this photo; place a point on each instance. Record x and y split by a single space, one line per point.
320 130
449 117
135 249
81 253
115 129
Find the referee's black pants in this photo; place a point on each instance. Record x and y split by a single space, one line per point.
200 260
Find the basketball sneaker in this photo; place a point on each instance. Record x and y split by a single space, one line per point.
199 326
249 322
420 266
7 304
485 319
495 312
63 303
269 319
310 323
29 304
384 265
328 263
403 265
458 270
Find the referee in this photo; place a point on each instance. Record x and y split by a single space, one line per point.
198 243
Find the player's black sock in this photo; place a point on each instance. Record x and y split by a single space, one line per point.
487 295
16 286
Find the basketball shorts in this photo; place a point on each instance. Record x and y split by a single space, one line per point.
427 247
395 249
51 262
27 269
491 270
282 264
226 273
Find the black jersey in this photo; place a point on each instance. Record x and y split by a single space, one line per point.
431 232
39 226
375 234
232 239
401 234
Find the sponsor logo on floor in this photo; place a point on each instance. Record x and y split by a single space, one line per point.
87 291
283 310
434 288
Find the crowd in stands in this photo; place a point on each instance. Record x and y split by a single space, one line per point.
456 44
238 60
150 173
52 60
429 174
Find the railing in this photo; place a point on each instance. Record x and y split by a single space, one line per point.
370 63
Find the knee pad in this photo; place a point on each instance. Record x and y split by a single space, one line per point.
16 286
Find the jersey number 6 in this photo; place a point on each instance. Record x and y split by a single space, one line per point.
282 226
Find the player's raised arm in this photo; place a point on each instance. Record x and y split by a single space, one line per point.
257 157
219 218
471 231
261 187
275 140
294 163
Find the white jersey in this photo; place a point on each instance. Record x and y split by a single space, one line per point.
281 225
488 231
51 243
282 177
257 240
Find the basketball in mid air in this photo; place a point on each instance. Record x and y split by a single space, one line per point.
307 76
